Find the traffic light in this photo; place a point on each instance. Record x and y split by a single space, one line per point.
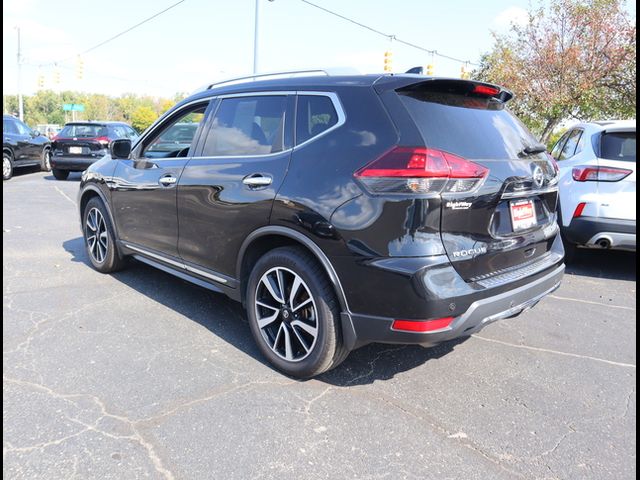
429 70
464 73
388 58
79 68
56 76
40 81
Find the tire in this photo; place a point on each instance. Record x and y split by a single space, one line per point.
45 165
314 305
60 174
7 166
99 238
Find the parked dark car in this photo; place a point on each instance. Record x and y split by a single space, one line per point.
79 144
340 210
22 147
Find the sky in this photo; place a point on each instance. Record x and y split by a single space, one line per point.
202 41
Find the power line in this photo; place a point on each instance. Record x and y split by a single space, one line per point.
389 36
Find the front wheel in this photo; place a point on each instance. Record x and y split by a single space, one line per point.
45 165
293 313
60 174
99 238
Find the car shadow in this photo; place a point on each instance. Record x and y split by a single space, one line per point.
226 319
608 264
21 171
73 177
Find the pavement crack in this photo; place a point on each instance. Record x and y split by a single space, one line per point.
372 364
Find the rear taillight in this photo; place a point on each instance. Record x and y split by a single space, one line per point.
55 138
104 141
419 170
599 174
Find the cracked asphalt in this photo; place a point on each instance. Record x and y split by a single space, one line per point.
141 375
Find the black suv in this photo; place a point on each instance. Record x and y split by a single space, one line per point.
79 144
340 210
22 147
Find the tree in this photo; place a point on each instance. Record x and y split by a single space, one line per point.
142 117
574 59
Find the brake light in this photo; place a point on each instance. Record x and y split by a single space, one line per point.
486 90
422 325
405 170
55 138
579 209
599 174
104 141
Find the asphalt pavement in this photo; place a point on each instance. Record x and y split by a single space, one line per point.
141 375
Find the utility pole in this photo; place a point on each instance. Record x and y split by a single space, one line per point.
20 105
255 37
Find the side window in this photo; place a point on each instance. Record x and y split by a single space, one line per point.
247 126
8 126
569 148
315 114
557 148
119 131
131 133
22 128
174 139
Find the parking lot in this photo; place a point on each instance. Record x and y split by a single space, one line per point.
140 374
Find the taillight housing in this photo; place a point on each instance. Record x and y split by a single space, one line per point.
104 141
586 173
422 171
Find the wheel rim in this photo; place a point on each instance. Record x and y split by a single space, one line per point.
6 167
96 235
286 314
47 161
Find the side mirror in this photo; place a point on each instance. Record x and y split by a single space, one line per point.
120 148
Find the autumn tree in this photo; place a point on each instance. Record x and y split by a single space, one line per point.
142 117
572 59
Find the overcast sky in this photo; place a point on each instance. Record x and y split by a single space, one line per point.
203 40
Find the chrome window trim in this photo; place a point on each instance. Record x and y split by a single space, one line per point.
529 193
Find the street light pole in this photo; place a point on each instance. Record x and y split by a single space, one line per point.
19 57
255 37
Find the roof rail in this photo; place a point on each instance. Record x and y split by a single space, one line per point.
264 75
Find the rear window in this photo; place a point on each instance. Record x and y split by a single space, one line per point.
618 146
84 131
471 127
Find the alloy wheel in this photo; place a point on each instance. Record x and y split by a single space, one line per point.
47 160
6 167
96 235
286 314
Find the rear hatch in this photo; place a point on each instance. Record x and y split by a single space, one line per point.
81 140
509 220
617 175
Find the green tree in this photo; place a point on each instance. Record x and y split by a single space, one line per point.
572 59
142 117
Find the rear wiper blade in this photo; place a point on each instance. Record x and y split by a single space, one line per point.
532 149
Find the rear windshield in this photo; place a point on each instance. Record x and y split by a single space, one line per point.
618 146
471 127
84 131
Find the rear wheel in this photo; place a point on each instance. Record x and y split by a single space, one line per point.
60 174
7 166
45 166
99 238
293 313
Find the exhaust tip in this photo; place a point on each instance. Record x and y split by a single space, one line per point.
603 242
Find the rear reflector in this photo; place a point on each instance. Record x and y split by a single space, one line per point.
486 90
579 209
406 170
422 325
599 174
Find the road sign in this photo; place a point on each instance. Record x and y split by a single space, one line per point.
73 107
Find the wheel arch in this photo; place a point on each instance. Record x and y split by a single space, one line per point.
267 238
92 191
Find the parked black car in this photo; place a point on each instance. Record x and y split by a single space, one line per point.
339 210
79 144
22 147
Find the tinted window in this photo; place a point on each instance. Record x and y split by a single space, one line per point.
84 131
472 127
247 126
315 115
118 131
557 148
569 148
8 126
619 146
166 143
23 129
131 133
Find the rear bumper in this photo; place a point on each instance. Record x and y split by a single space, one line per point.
75 163
590 231
368 329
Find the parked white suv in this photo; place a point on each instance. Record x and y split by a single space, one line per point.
598 185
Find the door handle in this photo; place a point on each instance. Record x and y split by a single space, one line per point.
168 180
257 180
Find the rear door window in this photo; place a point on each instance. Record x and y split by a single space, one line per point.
246 126
557 148
569 149
618 146
315 115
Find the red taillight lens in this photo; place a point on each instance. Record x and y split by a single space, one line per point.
579 209
104 141
55 138
599 174
422 325
486 90
405 170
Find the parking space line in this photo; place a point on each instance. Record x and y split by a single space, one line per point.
591 303
65 195
557 352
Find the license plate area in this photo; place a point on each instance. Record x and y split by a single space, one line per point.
523 215
75 150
